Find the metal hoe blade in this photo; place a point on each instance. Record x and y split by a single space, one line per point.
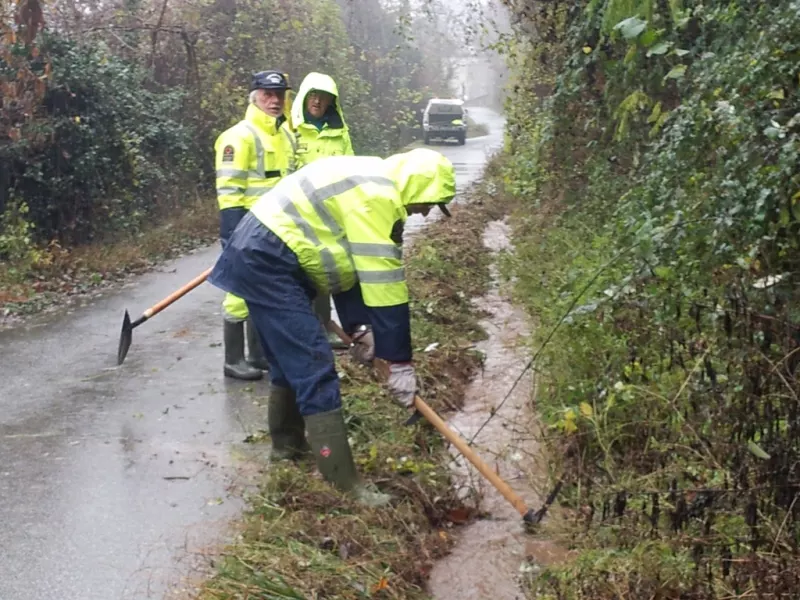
125 338
413 418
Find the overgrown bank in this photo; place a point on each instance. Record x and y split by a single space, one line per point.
301 539
654 148
64 275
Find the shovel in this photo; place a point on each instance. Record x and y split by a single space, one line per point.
126 337
529 516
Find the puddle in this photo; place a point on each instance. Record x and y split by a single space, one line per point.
491 554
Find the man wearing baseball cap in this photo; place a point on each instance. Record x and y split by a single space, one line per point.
251 157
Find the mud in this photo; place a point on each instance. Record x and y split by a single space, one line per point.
492 553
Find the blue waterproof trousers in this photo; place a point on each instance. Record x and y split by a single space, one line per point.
256 265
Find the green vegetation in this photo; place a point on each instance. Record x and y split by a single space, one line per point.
301 538
653 147
63 274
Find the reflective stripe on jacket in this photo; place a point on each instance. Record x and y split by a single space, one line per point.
251 157
337 216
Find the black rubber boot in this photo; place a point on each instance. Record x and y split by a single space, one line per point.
322 309
286 426
255 352
235 364
327 433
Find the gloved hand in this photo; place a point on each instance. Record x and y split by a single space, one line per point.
403 383
363 346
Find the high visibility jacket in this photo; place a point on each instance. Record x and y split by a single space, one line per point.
251 157
341 217
334 137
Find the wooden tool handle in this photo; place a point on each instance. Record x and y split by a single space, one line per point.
157 308
337 329
452 437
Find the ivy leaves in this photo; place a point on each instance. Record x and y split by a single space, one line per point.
631 27
672 136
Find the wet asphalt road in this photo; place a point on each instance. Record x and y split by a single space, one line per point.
114 481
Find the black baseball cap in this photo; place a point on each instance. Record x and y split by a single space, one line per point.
269 80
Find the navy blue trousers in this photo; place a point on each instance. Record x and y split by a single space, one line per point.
257 266
298 354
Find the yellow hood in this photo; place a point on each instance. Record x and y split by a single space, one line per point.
315 81
423 176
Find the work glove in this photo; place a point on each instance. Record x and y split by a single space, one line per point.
403 383
363 347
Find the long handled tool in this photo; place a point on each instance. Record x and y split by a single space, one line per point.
529 516
126 337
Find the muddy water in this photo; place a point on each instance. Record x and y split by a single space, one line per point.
492 553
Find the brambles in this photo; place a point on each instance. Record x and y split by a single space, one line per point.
664 164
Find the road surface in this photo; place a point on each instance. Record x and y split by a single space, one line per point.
114 481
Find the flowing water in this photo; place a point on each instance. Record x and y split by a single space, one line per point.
492 553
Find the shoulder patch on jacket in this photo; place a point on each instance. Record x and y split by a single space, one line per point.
227 153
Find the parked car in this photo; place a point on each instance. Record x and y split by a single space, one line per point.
444 119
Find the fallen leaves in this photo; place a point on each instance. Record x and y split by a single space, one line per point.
383 584
460 515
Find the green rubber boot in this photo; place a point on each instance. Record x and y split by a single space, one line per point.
322 308
255 352
286 426
327 433
235 364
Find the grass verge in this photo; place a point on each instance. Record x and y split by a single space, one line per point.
59 275
302 539
616 548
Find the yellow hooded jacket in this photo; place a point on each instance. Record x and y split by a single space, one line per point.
251 157
333 139
340 216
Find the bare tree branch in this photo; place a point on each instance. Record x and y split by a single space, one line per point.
151 60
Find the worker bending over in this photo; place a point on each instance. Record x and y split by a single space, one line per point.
335 226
